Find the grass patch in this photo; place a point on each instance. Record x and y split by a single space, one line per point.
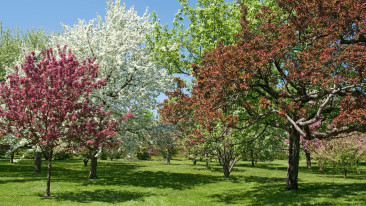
181 183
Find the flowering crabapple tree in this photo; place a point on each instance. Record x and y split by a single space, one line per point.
319 150
302 64
118 41
343 152
124 62
91 143
15 45
164 137
49 103
203 125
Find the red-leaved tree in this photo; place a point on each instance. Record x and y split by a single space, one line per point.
47 102
303 64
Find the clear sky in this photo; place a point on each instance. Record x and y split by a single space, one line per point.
50 13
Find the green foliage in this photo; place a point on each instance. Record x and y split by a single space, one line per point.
143 155
211 20
173 152
62 155
343 153
14 44
10 41
103 155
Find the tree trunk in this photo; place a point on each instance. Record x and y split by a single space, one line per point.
12 157
93 166
85 160
345 172
206 155
167 156
308 160
37 162
320 166
194 161
252 157
293 160
48 188
226 170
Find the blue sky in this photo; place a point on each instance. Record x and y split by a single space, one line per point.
49 13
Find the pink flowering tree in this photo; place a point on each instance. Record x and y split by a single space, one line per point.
343 152
96 135
306 143
47 103
305 147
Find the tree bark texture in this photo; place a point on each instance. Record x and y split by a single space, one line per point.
37 162
252 157
293 160
12 157
308 159
226 170
85 160
48 188
206 155
167 156
93 166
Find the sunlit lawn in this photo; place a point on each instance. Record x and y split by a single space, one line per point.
181 183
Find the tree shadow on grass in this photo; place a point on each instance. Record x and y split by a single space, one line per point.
104 195
308 193
328 171
159 179
118 173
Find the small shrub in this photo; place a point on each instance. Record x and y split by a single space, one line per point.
143 156
62 155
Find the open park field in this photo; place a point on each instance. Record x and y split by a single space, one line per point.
181 183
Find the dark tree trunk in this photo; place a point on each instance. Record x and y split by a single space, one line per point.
167 156
293 160
226 170
194 161
345 172
227 161
252 157
93 166
308 160
37 162
85 160
12 157
48 188
206 155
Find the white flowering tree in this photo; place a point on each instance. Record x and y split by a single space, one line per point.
118 41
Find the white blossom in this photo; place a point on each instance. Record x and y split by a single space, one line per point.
118 42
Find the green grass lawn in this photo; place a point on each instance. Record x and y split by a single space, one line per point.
181 183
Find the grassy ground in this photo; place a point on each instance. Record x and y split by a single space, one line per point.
181 183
